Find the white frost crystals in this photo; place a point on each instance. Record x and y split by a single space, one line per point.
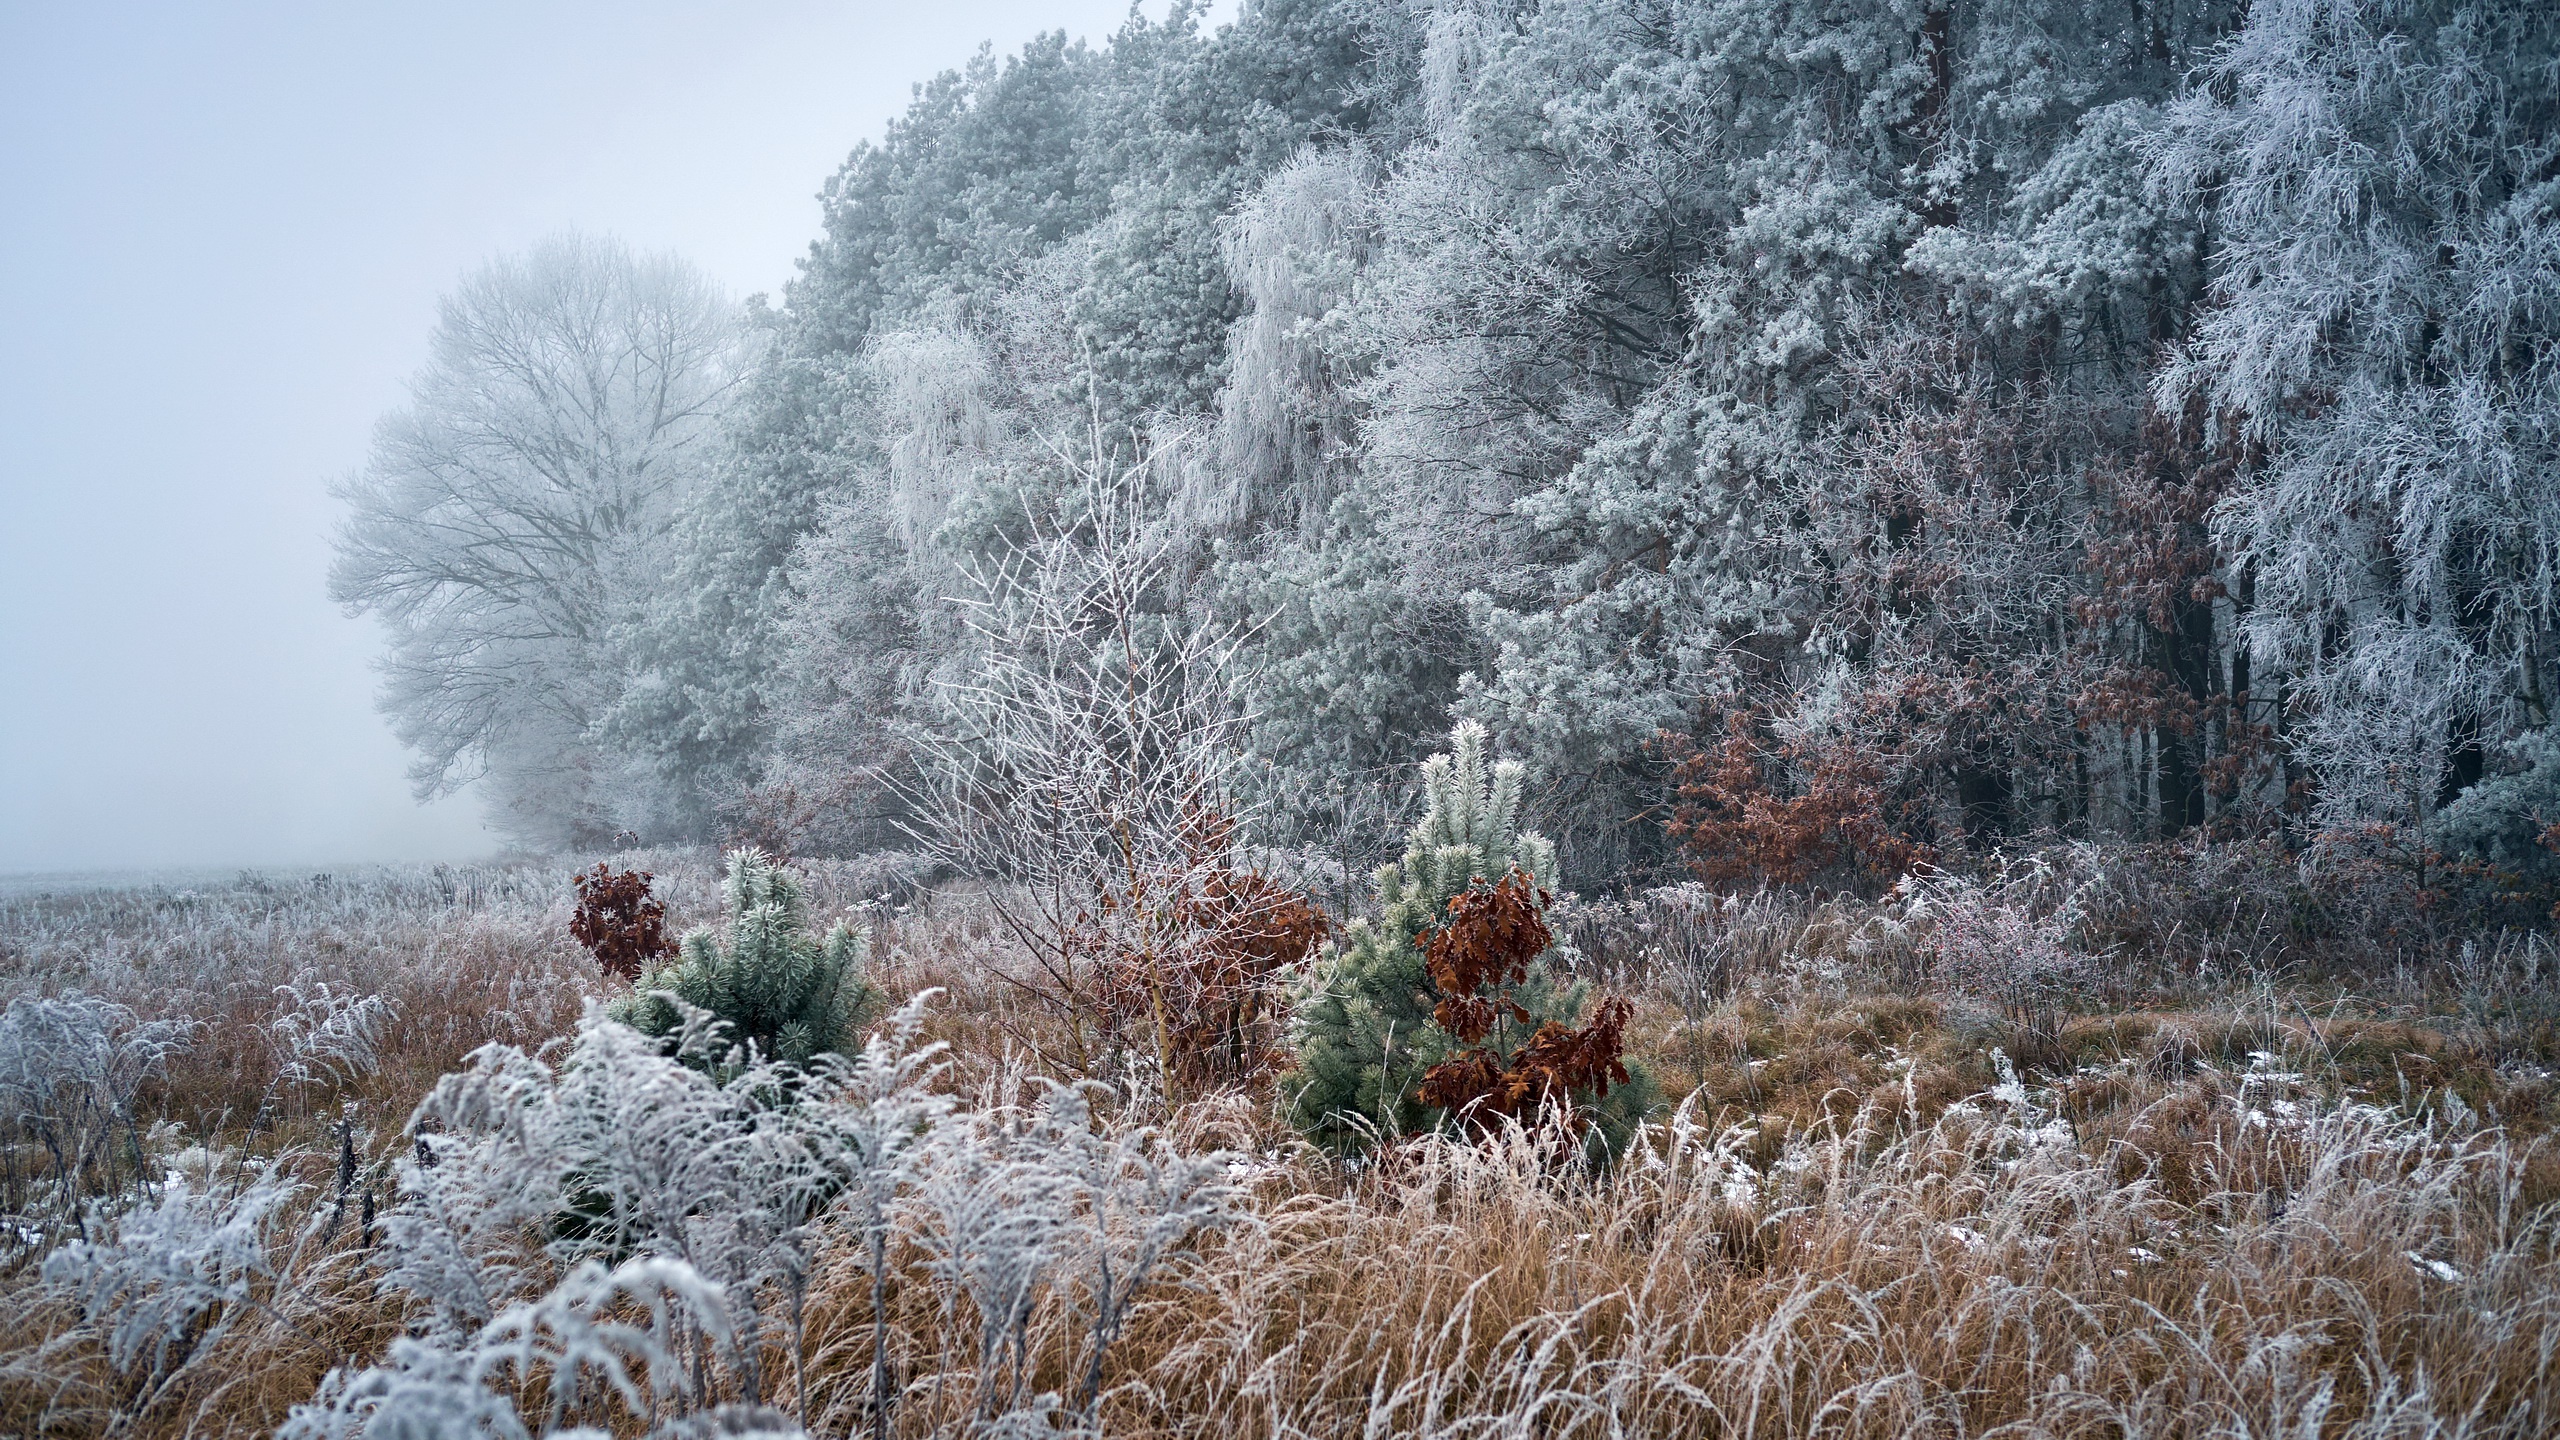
70 1067
323 1033
2386 286
580 1328
609 1221
174 1272
60 1057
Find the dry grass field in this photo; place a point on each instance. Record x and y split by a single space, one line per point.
2246 1195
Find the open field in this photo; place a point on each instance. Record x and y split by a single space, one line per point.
2247 1204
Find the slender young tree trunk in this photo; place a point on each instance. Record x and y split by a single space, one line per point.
879 1242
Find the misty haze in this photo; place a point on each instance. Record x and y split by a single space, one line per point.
1280 718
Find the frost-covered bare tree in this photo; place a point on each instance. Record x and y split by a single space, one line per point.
1087 750
513 509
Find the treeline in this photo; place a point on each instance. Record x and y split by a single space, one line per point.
1822 435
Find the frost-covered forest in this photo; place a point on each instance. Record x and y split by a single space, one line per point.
1603 718
1978 423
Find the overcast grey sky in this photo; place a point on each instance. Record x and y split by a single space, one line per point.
223 229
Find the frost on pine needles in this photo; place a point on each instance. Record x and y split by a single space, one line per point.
788 994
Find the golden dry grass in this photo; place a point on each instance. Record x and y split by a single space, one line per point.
2233 1211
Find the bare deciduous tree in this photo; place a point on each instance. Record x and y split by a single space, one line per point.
510 511
1088 755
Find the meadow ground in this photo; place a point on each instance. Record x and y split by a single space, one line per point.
2227 1189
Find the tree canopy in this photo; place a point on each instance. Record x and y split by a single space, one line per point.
1982 421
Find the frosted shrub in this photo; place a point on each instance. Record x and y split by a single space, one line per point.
170 1275
990 1214
1133 1204
723 1179
1088 755
1022 1201
601 1335
62 1052
320 1036
885 1119
523 1169
70 1069
2006 941
1189 963
1090 758
1687 942
2502 819
626 1156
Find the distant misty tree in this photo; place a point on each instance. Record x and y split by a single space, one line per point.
513 511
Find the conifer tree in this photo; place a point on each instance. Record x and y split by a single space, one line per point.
790 994
1365 1031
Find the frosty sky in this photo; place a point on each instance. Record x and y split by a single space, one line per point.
223 229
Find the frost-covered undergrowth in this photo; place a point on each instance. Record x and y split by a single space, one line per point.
611 1235
1864 1221
642 1240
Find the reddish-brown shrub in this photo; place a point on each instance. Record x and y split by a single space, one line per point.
1557 1066
1189 960
619 921
1493 933
1737 825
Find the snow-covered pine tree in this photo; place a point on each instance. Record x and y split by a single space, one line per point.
1365 1032
791 994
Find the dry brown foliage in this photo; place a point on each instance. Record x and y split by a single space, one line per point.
620 922
1185 962
1559 1065
1493 933
1738 824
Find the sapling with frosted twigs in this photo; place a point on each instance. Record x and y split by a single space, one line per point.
1088 762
